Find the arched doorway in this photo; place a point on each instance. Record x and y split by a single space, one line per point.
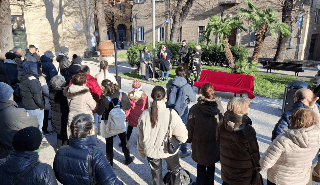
121 33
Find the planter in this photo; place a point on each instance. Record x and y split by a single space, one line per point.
106 48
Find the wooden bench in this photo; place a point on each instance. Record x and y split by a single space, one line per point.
228 82
283 66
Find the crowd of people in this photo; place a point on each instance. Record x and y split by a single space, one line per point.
81 106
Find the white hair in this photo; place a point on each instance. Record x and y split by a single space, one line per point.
58 81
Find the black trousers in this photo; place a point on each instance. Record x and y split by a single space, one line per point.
45 121
109 147
129 132
173 165
205 174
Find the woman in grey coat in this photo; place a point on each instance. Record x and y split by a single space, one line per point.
144 63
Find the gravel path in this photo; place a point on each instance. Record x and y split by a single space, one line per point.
265 113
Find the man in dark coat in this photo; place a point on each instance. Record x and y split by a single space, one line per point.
25 143
184 52
31 54
11 69
12 119
165 55
284 121
31 92
2 68
75 68
47 66
64 62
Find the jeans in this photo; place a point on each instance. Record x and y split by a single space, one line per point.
109 147
167 75
173 165
205 174
184 118
40 115
97 121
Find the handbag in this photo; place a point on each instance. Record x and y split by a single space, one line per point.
172 143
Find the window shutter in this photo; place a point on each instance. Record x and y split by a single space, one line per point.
252 38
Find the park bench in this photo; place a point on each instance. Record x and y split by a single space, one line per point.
286 66
228 82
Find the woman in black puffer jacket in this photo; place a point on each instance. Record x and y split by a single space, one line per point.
59 110
71 163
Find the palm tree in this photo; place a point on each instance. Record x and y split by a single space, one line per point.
223 26
263 21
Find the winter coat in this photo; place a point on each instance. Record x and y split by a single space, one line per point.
184 52
64 63
180 81
31 57
236 161
12 120
93 85
150 140
30 87
59 110
11 72
285 119
18 161
74 69
144 67
2 72
105 106
80 102
138 105
164 66
71 164
48 68
289 157
45 91
195 64
101 76
203 120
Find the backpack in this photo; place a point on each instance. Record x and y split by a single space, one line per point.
116 121
184 176
176 99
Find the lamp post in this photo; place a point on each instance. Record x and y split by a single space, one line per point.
154 37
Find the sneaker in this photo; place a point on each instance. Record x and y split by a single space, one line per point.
129 161
186 154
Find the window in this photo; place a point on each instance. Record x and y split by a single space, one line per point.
180 35
140 34
316 18
252 38
160 34
201 29
139 1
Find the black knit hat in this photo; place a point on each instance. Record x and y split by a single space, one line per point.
27 139
10 55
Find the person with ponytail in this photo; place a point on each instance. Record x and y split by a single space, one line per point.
105 106
151 131
82 144
203 121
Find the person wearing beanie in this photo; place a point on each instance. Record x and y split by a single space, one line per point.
74 68
63 61
32 54
25 143
47 66
139 103
12 119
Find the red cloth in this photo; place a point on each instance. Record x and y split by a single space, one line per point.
228 82
137 107
93 85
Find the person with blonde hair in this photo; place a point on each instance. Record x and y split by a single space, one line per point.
203 121
289 157
239 150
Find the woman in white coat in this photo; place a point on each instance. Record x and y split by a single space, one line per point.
289 157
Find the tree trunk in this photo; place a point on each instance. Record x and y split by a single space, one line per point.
260 36
229 55
180 14
6 40
287 19
102 25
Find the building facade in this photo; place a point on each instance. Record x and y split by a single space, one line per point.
303 45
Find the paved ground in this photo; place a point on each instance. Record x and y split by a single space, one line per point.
265 113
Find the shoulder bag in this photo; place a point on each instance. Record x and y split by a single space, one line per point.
21 175
172 143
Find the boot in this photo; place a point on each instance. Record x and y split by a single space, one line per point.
110 159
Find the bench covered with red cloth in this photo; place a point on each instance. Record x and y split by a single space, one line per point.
228 82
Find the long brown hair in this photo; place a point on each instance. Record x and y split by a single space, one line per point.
302 118
109 87
207 90
158 93
103 66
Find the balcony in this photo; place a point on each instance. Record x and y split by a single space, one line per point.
229 2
